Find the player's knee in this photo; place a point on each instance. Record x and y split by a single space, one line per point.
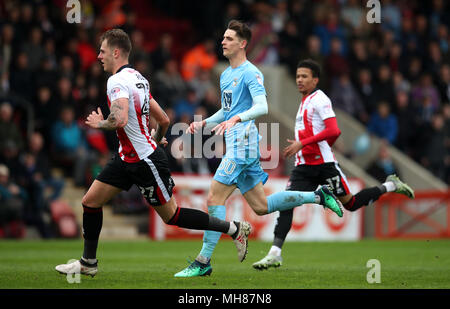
213 200
89 202
260 209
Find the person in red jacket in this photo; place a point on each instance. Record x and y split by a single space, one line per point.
316 130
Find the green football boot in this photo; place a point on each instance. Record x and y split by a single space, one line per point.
195 269
328 200
400 186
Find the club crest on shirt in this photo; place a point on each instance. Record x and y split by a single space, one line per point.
235 82
259 79
115 90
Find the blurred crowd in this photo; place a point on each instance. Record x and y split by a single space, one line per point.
393 76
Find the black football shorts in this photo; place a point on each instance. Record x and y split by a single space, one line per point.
151 175
309 177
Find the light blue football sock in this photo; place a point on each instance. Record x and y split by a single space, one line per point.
211 238
289 199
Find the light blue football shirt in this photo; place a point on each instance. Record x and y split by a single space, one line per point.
238 87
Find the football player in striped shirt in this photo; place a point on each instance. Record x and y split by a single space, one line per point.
139 160
316 130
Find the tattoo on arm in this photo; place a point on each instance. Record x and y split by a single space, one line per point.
115 119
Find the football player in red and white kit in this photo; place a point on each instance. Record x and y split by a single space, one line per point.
139 161
316 130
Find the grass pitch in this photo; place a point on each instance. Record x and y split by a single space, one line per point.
151 265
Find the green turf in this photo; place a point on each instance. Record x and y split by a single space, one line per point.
148 264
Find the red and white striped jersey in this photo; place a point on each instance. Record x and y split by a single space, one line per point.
135 141
313 110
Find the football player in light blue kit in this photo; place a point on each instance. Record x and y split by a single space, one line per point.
243 98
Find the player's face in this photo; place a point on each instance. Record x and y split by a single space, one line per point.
231 43
305 81
105 56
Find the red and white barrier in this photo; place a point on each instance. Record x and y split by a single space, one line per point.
311 221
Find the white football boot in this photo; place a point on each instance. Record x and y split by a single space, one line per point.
241 240
77 267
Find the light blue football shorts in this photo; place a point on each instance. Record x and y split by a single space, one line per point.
245 174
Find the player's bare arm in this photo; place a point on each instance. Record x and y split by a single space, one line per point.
293 148
195 125
225 125
162 120
118 116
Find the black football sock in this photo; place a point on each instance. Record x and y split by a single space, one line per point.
364 197
283 226
195 219
92 225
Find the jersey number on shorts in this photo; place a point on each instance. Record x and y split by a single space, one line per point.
227 166
226 100
145 107
335 183
147 192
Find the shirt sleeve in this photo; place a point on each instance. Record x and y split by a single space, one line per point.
329 134
323 107
255 83
259 108
117 89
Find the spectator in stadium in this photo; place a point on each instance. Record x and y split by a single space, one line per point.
201 83
290 44
395 60
139 51
43 169
335 62
358 57
45 111
407 127
383 123
21 77
391 17
13 201
345 97
9 131
435 59
169 86
201 56
384 86
366 90
353 16
30 178
400 83
34 49
211 101
163 52
328 29
436 155
439 14
263 49
442 38
85 50
64 94
414 69
443 82
383 165
69 146
8 49
425 97
313 51
187 106
300 12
